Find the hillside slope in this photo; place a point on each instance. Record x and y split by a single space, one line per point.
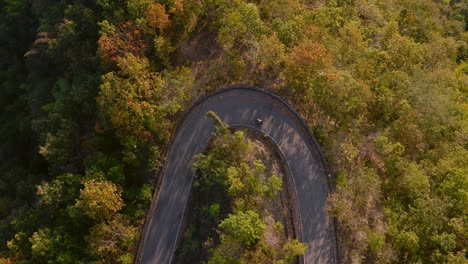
90 92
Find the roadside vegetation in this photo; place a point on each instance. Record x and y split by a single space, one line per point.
90 92
235 214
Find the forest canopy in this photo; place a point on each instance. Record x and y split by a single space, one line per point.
91 92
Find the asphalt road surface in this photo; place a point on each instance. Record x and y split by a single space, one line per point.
241 106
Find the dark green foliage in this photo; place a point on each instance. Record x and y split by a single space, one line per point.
53 161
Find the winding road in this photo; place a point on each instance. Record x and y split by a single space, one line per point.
240 106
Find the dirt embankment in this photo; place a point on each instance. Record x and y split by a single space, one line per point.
282 207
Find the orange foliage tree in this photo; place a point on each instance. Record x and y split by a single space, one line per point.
157 17
126 38
308 65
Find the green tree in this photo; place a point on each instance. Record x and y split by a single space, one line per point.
99 200
241 26
293 249
245 227
61 191
136 9
111 241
